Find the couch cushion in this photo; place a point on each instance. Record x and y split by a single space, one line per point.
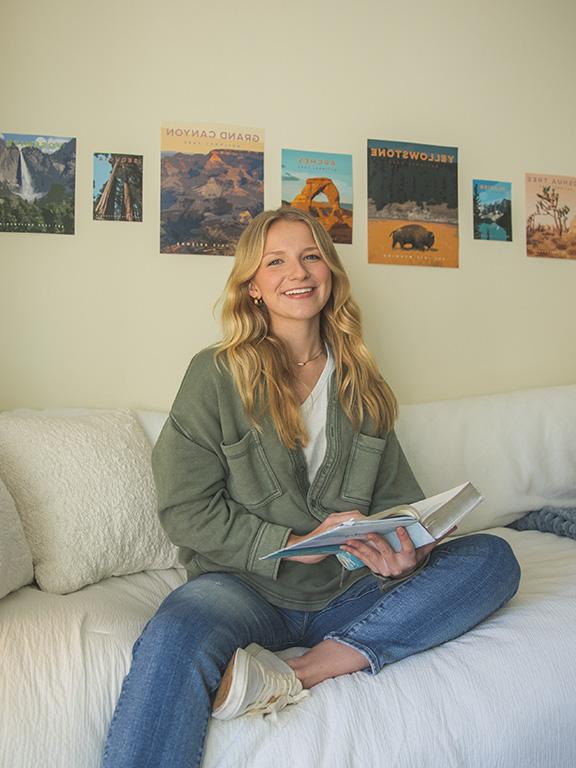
84 489
15 556
519 450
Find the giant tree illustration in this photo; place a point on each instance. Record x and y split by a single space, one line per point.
547 205
121 197
477 212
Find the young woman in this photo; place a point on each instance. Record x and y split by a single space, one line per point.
281 431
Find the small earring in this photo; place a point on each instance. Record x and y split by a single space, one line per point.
258 300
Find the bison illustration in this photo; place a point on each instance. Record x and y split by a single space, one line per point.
412 234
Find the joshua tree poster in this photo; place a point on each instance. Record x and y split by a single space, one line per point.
320 183
212 185
37 181
412 204
551 216
117 194
492 208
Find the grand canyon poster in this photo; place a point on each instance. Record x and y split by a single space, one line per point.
320 183
412 204
37 183
551 216
212 185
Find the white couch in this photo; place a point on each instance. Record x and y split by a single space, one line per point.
502 695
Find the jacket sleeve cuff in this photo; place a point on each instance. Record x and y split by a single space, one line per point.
269 538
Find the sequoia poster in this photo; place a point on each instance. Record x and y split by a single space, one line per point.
117 194
212 185
320 183
492 209
412 204
37 183
551 216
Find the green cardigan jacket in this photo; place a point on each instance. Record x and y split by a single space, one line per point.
229 493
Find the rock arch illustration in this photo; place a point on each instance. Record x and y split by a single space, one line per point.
336 220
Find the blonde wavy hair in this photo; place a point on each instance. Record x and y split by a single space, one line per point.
260 363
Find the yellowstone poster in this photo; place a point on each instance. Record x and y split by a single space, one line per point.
117 187
320 183
551 216
37 183
212 185
492 210
412 204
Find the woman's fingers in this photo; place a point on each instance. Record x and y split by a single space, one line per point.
405 540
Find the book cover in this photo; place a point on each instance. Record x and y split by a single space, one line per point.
117 187
320 183
212 185
37 183
412 204
425 521
492 209
551 216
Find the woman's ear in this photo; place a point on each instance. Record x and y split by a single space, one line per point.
253 291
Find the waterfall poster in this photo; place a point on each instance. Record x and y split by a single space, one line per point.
320 183
492 209
212 185
37 182
551 216
412 204
117 188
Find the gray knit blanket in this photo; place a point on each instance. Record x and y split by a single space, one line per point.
562 522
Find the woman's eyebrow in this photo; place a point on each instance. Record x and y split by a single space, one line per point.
281 252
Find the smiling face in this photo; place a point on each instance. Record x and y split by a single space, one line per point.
293 279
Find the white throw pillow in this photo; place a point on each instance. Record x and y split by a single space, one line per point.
83 486
15 556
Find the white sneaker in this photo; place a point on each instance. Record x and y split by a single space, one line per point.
256 682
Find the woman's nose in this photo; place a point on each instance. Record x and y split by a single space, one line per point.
297 271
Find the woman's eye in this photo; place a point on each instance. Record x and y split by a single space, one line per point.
312 257
274 262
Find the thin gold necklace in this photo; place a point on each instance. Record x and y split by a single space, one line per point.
314 357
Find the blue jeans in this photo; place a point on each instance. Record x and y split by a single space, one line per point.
162 715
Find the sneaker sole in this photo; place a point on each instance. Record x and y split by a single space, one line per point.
232 690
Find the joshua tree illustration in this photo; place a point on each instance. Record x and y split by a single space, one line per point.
547 205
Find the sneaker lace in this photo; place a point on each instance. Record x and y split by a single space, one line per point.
277 693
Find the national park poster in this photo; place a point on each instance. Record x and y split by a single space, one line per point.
492 210
551 216
117 187
412 204
212 185
37 183
320 183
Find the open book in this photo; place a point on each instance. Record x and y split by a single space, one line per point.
425 521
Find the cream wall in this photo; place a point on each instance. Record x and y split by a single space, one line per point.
103 319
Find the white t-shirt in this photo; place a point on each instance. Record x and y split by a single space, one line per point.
314 413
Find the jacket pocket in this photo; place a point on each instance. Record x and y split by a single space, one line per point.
362 468
251 480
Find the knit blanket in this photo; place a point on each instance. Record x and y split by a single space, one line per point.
562 522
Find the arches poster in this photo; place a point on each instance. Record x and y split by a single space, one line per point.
320 183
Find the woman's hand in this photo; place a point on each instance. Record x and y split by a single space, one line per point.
378 555
330 522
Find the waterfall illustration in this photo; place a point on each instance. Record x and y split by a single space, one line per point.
26 188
